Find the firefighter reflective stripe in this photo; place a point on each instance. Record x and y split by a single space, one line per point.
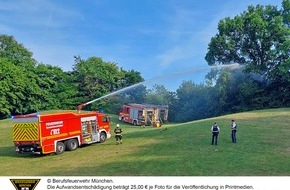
25 132
118 131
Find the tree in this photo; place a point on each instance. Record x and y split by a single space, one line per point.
259 38
95 78
193 101
136 91
12 89
252 95
27 86
221 95
130 77
158 95
286 12
19 58
16 53
59 90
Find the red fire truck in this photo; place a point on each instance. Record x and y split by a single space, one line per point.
57 132
150 114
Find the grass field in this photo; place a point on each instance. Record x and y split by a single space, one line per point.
262 149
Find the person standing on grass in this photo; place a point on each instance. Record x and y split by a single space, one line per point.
118 134
234 131
215 132
143 121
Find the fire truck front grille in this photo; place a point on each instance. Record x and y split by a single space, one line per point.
25 132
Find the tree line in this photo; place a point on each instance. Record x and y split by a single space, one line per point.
27 86
258 40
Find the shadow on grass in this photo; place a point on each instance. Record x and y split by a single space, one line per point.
10 152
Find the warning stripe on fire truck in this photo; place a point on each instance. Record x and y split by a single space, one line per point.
25 132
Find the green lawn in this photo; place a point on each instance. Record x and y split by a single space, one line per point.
262 149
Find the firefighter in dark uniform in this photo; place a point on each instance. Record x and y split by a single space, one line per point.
215 132
118 134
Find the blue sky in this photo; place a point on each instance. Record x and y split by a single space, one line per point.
155 37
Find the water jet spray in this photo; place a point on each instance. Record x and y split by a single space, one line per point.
187 71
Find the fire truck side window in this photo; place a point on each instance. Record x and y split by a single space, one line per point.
104 119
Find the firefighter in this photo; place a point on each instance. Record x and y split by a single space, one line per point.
143 121
118 134
215 132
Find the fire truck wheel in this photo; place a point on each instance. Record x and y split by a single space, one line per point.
103 137
60 147
72 144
